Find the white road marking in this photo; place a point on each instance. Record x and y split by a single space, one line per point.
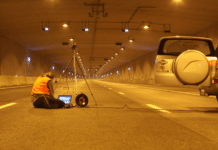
7 105
121 93
13 87
158 108
109 88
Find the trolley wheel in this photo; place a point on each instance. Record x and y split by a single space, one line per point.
82 100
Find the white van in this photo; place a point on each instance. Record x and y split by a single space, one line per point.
183 60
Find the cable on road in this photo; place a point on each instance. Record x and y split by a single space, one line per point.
215 110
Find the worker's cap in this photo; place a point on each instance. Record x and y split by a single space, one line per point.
49 74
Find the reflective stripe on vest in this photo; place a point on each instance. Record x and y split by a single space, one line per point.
40 86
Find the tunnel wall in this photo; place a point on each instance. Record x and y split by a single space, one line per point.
211 32
142 70
15 68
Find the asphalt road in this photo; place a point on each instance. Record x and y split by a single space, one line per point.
127 116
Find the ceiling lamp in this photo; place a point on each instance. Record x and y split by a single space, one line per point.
45 26
65 25
131 39
177 1
167 28
125 27
122 48
85 26
86 29
125 30
146 26
116 54
71 39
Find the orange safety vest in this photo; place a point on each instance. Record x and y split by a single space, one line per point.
40 86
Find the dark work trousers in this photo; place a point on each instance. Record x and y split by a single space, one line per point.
53 103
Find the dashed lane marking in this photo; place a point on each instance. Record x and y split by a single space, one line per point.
14 87
121 93
157 108
7 105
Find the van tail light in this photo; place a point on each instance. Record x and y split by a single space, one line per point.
215 81
216 66
210 63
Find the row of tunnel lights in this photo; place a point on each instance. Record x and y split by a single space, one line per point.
116 72
86 29
45 27
79 58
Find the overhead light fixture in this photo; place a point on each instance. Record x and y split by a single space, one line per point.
177 1
167 28
65 25
125 26
112 57
85 26
86 29
116 54
125 30
131 39
45 26
71 39
28 59
146 26
122 48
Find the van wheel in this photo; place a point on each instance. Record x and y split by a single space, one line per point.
191 67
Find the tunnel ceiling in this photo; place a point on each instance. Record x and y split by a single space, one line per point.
22 22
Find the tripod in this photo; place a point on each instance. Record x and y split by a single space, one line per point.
81 99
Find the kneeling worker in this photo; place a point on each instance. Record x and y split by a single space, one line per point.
43 93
